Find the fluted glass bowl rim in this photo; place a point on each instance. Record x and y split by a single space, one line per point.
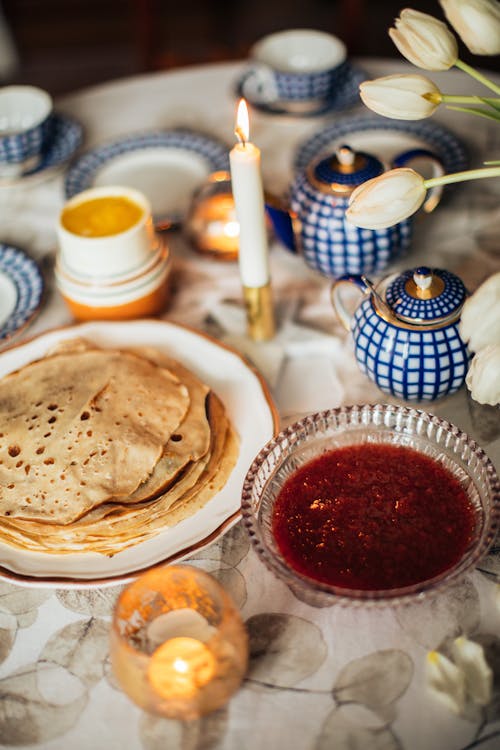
404 424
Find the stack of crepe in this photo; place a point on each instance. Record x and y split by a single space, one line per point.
101 449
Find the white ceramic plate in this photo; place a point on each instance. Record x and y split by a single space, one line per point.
21 291
167 166
249 406
384 138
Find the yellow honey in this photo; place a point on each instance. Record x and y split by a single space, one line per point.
101 217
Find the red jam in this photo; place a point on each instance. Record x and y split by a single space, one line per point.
372 517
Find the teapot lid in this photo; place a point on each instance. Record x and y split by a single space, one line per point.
422 295
344 170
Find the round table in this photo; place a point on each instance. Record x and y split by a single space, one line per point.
318 678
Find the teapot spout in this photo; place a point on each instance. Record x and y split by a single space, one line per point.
284 221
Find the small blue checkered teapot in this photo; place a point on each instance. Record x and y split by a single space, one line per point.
405 331
316 226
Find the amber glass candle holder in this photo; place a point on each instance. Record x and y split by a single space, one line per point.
211 224
178 645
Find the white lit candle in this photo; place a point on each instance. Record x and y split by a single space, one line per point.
186 622
248 196
180 667
253 255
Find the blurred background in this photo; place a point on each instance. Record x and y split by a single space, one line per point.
64 45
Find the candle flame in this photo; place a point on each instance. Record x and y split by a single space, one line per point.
181 665
242 129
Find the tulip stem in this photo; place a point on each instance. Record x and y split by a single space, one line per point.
470 174
479 112
477 75
454 99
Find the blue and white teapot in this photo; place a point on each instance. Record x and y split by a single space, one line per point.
316 226
405 332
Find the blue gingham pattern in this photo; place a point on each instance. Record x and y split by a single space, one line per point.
82 173
436 137
305 86
63 139
332 245
370 167
404 305
17 147
27 279
343 95
413 365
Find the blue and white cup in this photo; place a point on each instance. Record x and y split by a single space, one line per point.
25 120
298 66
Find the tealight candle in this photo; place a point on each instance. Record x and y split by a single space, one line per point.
178 646
253 257
211 224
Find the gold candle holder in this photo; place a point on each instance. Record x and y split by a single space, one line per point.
178 646
260 312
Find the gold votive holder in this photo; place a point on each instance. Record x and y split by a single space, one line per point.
178 645
211 224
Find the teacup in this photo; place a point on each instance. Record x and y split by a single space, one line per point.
106 232
25 119
299 66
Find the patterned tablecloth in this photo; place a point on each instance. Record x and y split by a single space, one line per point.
318 678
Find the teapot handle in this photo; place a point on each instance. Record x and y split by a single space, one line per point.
434 194
359 281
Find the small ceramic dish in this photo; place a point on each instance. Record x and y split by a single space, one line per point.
21 291
106 232
366 542
143 294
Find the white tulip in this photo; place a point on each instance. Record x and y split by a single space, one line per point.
480 317
424 40
446 681
402 97
469 657
477 22
386 200
483 377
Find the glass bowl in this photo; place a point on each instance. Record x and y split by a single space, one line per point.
376 423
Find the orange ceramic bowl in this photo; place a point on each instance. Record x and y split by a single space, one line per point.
144 294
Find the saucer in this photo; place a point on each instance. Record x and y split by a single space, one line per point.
385 138
21 291
65 137
167 166
346 95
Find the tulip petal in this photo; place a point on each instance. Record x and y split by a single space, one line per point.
386 200
480 317
446 681
402 97
424 40
477 22
469 657
483 379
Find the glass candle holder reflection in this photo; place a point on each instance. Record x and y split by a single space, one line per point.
178 646
211 224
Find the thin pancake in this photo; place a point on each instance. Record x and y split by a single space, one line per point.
191 439
129 525
79 428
